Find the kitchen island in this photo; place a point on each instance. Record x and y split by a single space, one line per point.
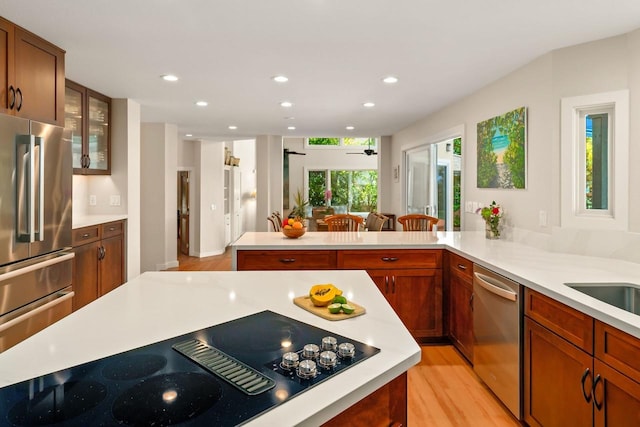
161 305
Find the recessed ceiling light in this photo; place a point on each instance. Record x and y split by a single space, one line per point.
349 128
390 79
280 79
170 77
188 134
291 128
202 103
369 104
232 127
289 118
286 104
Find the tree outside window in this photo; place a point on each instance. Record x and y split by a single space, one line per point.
356 190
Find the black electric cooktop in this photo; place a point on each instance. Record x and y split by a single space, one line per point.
223 375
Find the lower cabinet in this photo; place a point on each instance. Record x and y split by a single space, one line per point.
410 279
577 371
460 280
98 265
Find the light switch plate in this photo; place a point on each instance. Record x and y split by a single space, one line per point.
93 200
115 200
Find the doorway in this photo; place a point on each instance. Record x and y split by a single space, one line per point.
433 181
183 212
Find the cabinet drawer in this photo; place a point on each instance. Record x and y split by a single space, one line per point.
618 349
112 229
85 235
571 324
385 259
286 260
460 267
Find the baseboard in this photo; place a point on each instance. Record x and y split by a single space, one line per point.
167 265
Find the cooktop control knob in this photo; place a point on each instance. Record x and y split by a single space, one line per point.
328 359
310 351
289 361
329 343
346 350
307 369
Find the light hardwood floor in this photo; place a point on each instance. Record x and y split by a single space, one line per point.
443 389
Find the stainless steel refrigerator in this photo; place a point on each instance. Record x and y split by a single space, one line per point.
35 228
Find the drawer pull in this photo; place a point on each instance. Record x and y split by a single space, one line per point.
111 228
462 267
85 235
287 260
389 258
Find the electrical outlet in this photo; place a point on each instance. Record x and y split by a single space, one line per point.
93 200
115 200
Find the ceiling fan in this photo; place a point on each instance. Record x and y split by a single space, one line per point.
287 152
368 151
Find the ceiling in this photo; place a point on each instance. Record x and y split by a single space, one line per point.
334 52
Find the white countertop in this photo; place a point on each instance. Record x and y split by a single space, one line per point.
79 221
160 305
538 269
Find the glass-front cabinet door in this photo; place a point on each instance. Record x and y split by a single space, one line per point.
98 133
73 121
87 117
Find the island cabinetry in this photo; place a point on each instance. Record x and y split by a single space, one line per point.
460 281
286 260
99 261
31 76
569 380
411 280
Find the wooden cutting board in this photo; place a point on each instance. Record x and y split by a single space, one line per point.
305 303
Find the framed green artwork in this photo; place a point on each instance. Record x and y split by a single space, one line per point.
502 151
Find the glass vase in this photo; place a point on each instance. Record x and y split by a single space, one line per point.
491 233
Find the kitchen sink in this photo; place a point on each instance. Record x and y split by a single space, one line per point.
622 295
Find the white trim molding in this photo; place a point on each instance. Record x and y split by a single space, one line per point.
573 214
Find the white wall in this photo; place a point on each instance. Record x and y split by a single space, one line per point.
246 151
209 203
158 194
268 178
604 65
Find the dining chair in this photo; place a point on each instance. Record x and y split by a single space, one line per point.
344 222
417 222
378 222
276 225
370 221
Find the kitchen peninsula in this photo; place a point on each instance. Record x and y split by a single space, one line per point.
532 266
161 305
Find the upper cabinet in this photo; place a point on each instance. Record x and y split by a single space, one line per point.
87 119
31 76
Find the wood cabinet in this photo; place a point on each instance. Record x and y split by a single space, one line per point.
286 260
86 127
460 292
577 371
99 261
410 279
31 76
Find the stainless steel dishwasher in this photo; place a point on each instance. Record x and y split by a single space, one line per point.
497 330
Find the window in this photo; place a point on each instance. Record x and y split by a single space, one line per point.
595 133
349 190
341 142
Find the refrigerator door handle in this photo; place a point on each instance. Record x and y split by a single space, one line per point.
25 205
38 142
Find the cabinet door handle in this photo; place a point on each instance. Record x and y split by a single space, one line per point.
386 284
471 302
88 161
393 284
389 259
595 400
12 101
586 374
462 267
287 260
19 92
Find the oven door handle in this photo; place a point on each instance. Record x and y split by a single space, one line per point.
62 296
495 288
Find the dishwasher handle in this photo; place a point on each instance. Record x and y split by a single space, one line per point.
490 285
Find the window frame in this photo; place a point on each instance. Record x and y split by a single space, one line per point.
340 146
328 171
573 162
